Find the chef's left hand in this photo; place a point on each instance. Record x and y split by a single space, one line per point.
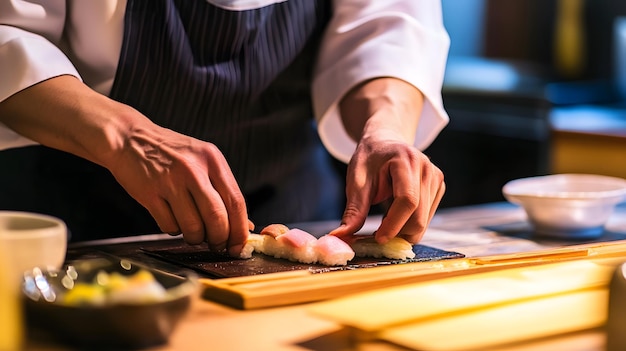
386 167
386 170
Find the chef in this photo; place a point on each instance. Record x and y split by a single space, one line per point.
191 117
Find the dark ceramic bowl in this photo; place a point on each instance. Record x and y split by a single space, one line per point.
120 325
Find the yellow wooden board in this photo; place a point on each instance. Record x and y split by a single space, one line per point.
482 311
286 288
505 324
414 303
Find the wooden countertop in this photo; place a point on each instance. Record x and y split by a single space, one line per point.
475 231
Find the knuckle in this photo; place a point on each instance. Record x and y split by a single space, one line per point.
438 173
218 217
235 203
351 211
409 201
217 231
212 152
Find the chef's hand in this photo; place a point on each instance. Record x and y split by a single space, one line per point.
388 170
185 183
386 167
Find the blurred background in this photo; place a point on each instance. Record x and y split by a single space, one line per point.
532 87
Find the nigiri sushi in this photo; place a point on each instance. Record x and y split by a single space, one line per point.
294 245
332 251
254 243
277 240
297 245
396 248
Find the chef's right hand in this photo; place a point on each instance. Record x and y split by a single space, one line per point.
185 183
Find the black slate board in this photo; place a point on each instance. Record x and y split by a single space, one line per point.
198 258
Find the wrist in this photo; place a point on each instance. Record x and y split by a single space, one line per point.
385 125
385 108
115 124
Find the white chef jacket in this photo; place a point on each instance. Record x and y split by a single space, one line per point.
365 39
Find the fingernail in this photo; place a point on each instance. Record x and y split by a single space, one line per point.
338 229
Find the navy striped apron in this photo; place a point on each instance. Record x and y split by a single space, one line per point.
237 79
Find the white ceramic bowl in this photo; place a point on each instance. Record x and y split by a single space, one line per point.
569 206
32 240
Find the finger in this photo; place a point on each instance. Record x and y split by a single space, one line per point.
188 217
358 202
438 187
162 214
406 200
440 192
234 204
416 227
412 231
213 214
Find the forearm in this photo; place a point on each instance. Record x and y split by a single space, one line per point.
65 114
184 183
385 108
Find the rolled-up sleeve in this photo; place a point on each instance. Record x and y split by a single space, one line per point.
30 35
368 39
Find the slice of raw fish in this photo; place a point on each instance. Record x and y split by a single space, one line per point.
396 248
274 230
295 245
332 251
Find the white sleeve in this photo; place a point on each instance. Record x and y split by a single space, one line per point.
30 32
373 38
